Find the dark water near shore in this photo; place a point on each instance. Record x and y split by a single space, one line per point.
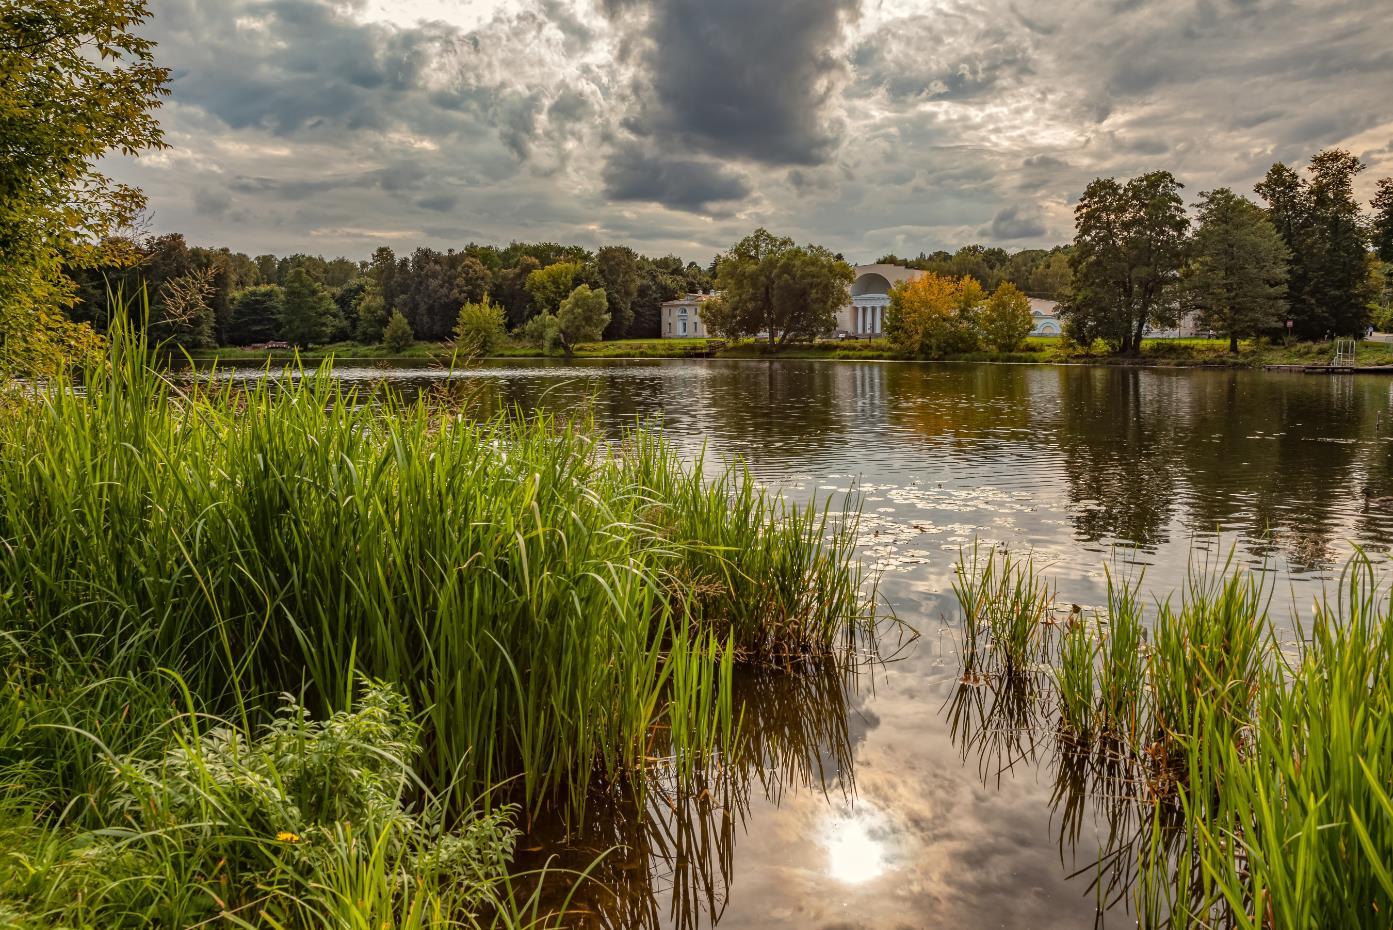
895 798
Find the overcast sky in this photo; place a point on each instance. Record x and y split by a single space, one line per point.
333 126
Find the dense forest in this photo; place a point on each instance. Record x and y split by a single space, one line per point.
203 297
308 299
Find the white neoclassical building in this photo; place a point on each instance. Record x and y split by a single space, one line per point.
864 314
1045 314
861 317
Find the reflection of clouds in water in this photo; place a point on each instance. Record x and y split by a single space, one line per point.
1081 468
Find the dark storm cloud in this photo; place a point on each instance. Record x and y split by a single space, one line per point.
1015 222
736 79
682 184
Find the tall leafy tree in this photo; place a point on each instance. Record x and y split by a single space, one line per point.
1328 285
434 286
934 315
1340 283
397 335
510 290
1237 274
370 315
615 272
1382 226
769 285
1129 246
550 285
1004 320
308 312
582 317
76 84
255 316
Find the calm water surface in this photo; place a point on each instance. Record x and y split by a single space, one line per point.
896 797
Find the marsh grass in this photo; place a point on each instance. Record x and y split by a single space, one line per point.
1244 784
1006 606
560 611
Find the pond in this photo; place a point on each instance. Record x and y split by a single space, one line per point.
893 797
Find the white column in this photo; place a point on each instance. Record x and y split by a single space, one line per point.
879 314
860 320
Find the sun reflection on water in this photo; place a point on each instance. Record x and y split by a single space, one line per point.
856 845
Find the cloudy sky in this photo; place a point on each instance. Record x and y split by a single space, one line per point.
332 126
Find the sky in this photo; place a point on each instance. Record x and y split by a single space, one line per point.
678 126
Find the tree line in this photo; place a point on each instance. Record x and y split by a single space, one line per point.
1309 261
207 297
1037 272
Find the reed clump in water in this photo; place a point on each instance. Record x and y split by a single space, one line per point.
553 606
1264 772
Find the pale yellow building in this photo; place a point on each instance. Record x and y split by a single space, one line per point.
681 318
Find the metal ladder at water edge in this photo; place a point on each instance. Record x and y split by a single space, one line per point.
1344 353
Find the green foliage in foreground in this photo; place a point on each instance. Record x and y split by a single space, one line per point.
1257 775
77 83
304 824
558 612
542 597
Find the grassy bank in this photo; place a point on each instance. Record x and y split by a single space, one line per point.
1155 352
1245 779
475 621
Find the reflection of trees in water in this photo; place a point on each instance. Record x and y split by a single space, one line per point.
616 397
1279 465
668 859
964 403
1375 519
784 409
1118 432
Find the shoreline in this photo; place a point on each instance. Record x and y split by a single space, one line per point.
1379 360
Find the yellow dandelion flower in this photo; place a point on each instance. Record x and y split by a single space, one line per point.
285 836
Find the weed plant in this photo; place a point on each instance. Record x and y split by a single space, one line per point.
1257 779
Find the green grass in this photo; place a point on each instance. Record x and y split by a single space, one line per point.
1039 350
555 610
1246 782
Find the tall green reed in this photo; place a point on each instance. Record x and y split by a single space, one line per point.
548 599
1261 775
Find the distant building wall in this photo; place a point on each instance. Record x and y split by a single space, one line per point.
681 318
1045 314
864 312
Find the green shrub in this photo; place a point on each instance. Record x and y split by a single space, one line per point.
479 328
306 824
397 336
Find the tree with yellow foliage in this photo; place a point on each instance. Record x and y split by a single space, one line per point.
76 84
935 315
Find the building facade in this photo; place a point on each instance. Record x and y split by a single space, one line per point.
681 318
863 316
1045 314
